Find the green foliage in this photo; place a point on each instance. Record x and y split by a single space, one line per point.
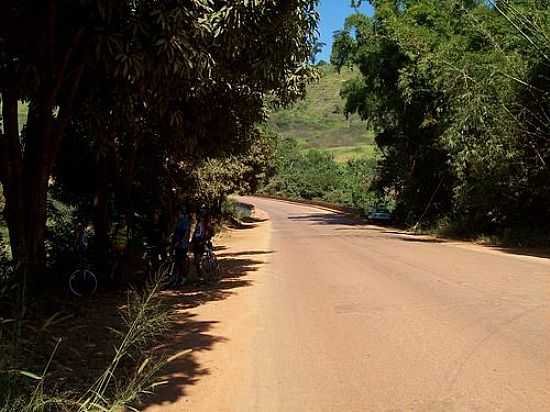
215 178
235 211
129 101
361 151
450 89
130 106
315 175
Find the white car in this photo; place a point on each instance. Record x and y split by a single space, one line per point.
380 215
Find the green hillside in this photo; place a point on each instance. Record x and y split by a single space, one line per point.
318 120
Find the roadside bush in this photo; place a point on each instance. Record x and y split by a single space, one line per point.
316 175
233 210
24 389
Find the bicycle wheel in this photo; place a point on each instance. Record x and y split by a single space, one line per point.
166 269
82 282
216 270
209 267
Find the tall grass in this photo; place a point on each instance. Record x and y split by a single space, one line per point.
115 389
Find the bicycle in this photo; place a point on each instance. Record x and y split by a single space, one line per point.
208 265
175 278
153 258
82 282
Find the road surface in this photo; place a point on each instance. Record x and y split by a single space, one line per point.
340 316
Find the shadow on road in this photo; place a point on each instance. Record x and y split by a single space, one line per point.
359 225
248 222
327 219
417 239
247 253
532 252
188 336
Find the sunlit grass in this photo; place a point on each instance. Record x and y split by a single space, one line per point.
318 121
345 153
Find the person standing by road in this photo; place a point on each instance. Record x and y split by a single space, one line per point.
201 236
156 238
119 239
80 245
180 244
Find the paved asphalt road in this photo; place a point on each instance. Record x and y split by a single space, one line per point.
358 318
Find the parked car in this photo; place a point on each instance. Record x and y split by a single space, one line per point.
379 215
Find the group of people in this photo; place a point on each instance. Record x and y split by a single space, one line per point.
184 240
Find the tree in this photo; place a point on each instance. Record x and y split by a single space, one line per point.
456 91
397 98
162 68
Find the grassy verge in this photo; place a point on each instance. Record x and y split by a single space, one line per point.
87 356
344 153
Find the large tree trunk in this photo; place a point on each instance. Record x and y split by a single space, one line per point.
25 171
11 174
26 180
38 162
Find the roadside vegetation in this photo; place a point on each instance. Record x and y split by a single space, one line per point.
112 109
82 358
456 96
321 152
315 174
460 111
437 109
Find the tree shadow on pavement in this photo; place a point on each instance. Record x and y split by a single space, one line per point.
358 224
418 239
246 253
327 219
245 223
188 336
531 252
543 253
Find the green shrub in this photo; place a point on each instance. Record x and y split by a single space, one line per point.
316 175
145 317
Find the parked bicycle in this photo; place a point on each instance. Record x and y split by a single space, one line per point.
207 264
168 270
153 259
82 282
160 266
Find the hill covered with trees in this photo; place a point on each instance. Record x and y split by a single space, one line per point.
319 122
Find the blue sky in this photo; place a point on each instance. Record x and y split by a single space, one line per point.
333 14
